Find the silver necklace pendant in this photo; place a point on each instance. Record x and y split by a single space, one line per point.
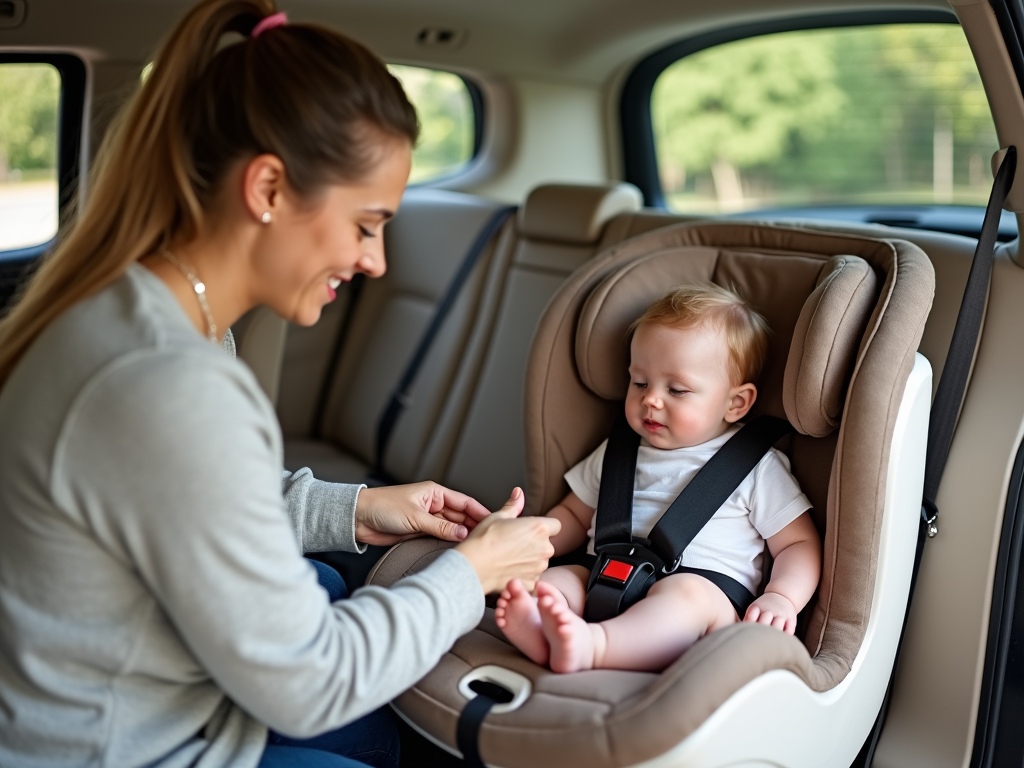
200 290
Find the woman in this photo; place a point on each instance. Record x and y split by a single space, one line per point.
154 604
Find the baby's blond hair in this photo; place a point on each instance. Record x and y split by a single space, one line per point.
746 331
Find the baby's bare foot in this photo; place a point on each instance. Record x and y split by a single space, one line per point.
517 616
570 638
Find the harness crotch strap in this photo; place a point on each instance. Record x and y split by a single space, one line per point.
627 566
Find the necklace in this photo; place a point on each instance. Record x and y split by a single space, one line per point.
200 288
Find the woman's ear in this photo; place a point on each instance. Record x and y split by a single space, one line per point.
741 401
263 181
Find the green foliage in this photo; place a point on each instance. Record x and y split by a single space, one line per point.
446 120
841 115
29 103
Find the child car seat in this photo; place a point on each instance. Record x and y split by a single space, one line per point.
846 313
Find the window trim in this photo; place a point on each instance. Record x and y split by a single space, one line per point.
70 126
639 154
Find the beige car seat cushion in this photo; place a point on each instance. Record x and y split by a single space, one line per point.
572 213
825 342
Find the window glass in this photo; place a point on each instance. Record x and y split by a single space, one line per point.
29 107
445 110
891 114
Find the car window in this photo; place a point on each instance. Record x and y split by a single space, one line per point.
447 121
29 109
876 115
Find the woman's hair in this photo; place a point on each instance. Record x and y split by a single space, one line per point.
319 101
707 304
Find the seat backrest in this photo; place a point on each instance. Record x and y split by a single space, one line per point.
846 314
558 230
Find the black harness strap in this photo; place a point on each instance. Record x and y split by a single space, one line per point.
400 397
626 566
467 731
949 397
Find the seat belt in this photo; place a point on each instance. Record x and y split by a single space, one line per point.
949 398
400 396
628 566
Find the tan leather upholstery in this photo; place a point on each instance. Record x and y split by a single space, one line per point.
598 718
573 213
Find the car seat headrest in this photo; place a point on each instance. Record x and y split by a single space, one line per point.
825 337
575 213
825 343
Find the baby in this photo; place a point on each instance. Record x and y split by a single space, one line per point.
693 357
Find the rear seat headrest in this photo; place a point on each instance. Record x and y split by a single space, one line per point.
825 344
821 356
575 213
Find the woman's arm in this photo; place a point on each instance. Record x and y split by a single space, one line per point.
172 462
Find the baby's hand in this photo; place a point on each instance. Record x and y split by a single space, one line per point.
773 609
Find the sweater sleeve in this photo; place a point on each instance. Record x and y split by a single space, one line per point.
173 462
323 514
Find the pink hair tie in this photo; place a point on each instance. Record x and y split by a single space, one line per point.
275 20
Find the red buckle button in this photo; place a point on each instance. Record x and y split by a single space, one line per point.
615 569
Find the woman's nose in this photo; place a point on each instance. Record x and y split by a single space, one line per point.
372 263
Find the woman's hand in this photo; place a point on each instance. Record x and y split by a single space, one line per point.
394 513
505 547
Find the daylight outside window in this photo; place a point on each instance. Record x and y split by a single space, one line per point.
445 111
891 114
29 107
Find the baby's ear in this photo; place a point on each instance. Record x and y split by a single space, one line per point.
742 400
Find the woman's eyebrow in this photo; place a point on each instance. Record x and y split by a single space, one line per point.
384 213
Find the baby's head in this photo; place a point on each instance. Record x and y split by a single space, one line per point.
694 356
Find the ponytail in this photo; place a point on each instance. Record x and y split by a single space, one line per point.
316 99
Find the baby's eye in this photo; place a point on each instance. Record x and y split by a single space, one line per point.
640 384
677 392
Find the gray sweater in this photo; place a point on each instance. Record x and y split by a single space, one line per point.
155 607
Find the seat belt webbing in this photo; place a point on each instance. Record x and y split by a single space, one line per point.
400 397
949 397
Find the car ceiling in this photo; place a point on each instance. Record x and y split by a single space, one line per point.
565 40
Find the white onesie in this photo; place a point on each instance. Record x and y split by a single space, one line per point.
732 542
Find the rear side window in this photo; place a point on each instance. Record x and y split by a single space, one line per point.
876 115
448 121
29 113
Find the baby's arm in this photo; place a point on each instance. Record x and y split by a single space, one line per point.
797 552
575 517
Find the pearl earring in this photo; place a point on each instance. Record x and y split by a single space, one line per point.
266 218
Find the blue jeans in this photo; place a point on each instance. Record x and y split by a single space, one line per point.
369 741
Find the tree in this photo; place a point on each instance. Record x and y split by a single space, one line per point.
29 101
742 104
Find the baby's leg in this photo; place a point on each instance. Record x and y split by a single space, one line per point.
517 616
653 633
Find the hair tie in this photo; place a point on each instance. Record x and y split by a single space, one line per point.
269 22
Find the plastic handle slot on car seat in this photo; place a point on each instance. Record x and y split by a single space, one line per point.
467 733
